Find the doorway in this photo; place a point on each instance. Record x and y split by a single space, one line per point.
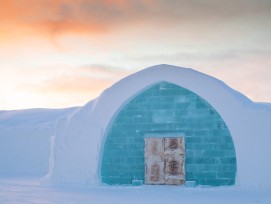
165 160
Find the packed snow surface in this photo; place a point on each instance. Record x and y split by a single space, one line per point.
29 191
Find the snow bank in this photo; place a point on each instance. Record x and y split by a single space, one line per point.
24 140
78 144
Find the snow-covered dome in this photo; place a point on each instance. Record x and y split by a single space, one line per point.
211 111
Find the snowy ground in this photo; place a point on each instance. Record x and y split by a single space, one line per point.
30 191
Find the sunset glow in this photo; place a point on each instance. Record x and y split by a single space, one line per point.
60 53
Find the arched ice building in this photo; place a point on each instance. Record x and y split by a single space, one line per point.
164 125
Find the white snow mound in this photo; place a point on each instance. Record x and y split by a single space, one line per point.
77 144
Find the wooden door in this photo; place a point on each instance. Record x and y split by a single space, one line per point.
165 161
174 161
154 161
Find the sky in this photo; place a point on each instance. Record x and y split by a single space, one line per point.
62 53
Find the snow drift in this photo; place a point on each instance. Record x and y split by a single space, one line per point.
24 140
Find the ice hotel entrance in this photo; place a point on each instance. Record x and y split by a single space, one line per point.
199 147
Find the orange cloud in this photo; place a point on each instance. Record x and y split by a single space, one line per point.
102 16
65 15
45 17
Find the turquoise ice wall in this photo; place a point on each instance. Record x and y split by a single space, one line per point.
166 108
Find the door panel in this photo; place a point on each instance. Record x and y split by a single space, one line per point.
174 161
154 161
